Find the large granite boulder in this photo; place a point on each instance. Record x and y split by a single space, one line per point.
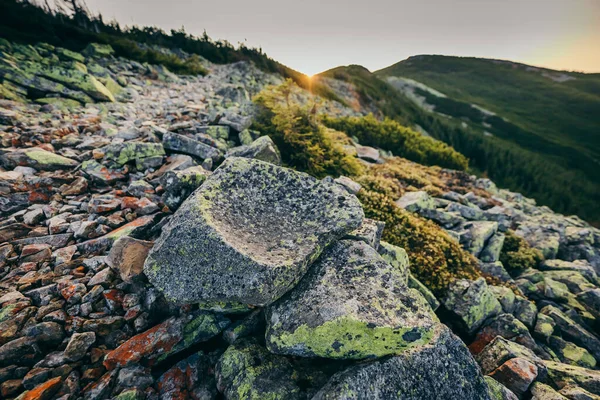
443 369
351 304
248 234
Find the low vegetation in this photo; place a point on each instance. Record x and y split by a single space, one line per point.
400 140
512 158
305 144
435 258
517 255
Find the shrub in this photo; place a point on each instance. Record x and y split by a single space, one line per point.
400 140
435 259
304 143
129 49
517 255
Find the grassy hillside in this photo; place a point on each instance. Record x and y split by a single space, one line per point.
500 149
554 113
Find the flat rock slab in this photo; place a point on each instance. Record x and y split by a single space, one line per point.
37 158
184 144
351 304
248 234
442 370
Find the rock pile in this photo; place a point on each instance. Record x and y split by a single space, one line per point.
151 247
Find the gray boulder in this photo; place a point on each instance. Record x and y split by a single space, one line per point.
262 149
476 234
248 371
186 145
351 304
444 369
472 302
248 234
178 185
369 231
492 249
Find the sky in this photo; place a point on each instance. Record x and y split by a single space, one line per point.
315 35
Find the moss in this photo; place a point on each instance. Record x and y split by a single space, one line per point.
347 338
8 94
436 259
111 85
400 140
494 388
517 255
303 141
254 374
97 49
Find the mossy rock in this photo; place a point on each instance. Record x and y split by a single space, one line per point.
37 158
472 302
122 153
352 304
38 86
248 234
68 55
59 102
436 259
443 369
247 371
262 149
77 80
98 50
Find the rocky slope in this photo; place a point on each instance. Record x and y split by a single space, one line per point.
152 247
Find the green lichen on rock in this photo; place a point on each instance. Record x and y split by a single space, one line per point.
131 394
563 374
350 305
247 371
111 85
262 149
248 234
77 80
396 257
472 302
68 55
122 153
348 338
59 102
98 50
218 132
201 326
497 390
38 158
442 369
6 311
